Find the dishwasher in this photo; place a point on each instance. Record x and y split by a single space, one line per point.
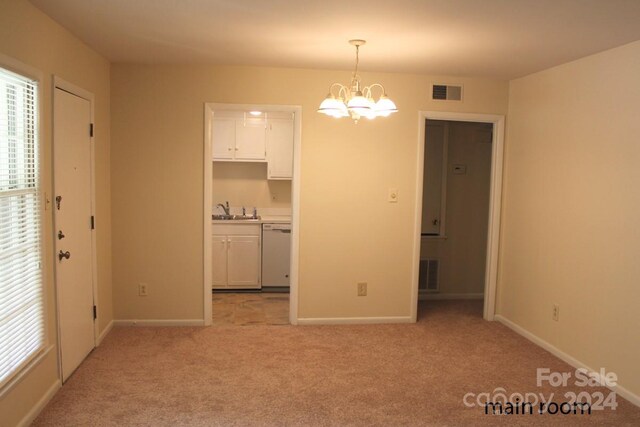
276 255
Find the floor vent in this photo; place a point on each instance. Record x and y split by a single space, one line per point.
429 275
448 93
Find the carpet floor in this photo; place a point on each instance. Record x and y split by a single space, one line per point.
365 375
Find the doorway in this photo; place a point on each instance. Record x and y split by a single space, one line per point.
250 170
74 224
458 210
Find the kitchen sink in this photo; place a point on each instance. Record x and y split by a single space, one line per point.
225 217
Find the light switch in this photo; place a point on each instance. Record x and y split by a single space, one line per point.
393 195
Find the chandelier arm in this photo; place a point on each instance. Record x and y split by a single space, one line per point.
369 88
339 85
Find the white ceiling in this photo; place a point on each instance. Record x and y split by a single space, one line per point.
486 38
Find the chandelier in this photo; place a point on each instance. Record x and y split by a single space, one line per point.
356 101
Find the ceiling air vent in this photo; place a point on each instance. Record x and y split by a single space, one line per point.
448 93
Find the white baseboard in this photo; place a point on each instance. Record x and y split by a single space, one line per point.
159 322
621 391
104 333
39 406
352 320
430 296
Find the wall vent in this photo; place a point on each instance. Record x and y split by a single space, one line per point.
428 280
448 93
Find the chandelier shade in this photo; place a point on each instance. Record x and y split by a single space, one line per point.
356 101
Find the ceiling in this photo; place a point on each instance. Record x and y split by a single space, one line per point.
500 39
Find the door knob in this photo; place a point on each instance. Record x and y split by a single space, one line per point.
65 255
60 235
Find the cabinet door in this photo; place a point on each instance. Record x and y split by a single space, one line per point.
219 261
280 149
244 261
223 136
250 139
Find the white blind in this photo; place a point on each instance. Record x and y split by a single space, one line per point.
21 294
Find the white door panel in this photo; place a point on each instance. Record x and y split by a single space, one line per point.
243 261
72 215
219 261
250 139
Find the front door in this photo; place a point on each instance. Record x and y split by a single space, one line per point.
73 225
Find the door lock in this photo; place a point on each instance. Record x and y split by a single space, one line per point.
60 235
58 200
65 255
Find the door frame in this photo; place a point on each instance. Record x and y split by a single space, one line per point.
60 83
495 203
209 108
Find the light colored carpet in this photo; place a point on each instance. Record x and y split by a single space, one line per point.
369 375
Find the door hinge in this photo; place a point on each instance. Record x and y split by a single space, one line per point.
91 130
93 222
95 312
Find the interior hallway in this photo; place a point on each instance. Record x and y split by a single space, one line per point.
394 374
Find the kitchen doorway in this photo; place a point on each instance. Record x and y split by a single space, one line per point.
251 210
459 185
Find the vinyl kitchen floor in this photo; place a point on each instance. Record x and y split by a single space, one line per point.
246 309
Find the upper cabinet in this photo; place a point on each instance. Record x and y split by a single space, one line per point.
238 136
280 148
223 138
250 139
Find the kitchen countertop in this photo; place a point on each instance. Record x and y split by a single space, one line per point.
264 219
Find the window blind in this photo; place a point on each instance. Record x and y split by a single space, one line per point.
21 293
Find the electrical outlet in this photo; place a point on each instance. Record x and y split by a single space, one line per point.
556 312
142 289
362 289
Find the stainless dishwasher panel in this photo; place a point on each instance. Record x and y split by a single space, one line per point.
276 255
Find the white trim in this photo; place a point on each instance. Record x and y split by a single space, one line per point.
623 392
353 320
104 333
21 68
495 200
434 296
159 322
40 405
60 83
26 369
206 226
295 202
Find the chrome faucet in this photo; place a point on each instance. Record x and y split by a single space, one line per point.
224 208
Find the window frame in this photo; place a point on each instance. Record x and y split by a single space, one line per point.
10 64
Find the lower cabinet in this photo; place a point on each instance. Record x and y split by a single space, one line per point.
236 256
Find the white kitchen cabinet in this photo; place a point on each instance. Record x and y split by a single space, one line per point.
236 256
250 139
223 137
243 261
279 140
219 260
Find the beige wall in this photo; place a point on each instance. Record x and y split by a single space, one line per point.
157 132
246 184
570 232
463 253
31 37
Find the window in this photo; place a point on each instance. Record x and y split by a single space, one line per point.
21 291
